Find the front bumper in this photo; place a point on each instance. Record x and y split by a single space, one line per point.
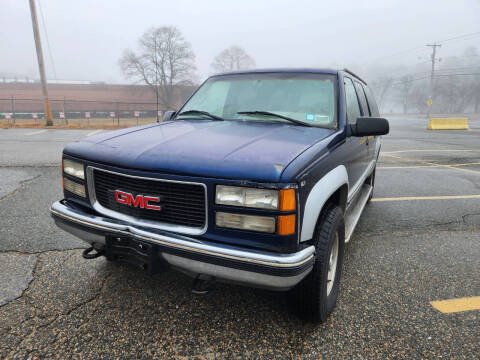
239 265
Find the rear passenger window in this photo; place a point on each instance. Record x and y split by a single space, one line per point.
353 108
362 98
371 102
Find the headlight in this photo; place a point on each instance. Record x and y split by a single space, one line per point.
247 197
73 168
73 187
246 222
283 200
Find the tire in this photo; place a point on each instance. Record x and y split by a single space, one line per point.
371 181
313 299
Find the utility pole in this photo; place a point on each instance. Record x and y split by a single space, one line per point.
41 66
156 74
64 111
432 75
13 108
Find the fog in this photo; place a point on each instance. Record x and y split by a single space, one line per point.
87 37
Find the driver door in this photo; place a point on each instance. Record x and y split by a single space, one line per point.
356 148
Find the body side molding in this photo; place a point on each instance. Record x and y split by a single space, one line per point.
320 193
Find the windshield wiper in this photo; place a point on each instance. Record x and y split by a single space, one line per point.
200 112
268 113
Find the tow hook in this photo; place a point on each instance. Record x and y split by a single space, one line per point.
87 253
203 284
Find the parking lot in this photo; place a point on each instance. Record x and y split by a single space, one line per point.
417 242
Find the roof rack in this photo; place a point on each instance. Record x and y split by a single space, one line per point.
352 73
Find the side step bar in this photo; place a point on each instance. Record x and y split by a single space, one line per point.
354 211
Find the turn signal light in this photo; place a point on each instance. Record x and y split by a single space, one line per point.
286 224
287 200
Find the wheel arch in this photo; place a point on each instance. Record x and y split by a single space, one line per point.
331 188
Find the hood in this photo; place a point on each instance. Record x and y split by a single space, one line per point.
225 149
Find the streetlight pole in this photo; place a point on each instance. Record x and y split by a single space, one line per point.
41 66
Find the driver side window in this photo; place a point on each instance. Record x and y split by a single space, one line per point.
353 108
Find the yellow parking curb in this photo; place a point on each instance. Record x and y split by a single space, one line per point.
448 124
457 305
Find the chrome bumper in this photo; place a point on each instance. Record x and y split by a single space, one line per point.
250 267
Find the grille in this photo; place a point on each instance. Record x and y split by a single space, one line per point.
182 204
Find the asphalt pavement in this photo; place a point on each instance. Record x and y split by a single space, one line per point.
418 241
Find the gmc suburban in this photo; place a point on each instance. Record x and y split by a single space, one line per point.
259 179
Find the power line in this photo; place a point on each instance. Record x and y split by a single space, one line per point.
399 53
406 51
442 70
435 76
460 37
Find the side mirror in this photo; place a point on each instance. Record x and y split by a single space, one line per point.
370 126
168 115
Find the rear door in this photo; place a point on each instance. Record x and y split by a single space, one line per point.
373 109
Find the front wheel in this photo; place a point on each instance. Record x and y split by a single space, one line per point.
315 297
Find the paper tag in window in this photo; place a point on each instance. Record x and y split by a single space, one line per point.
322 119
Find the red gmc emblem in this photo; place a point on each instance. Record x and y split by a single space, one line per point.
141 201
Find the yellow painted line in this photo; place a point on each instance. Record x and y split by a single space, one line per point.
36 132
94 132
410 198
405 167
457 305
425 166
430 163
466 164
427 150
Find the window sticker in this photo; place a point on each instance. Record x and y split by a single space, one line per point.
322 119
317 118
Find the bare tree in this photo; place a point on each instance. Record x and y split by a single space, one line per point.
231 59
404 89
418 95
381 87
164 60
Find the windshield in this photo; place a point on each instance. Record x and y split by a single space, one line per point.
304 97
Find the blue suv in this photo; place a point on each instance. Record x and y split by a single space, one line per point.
259 179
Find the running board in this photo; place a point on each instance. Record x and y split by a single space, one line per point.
355 210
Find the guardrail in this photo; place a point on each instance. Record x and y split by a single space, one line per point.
13 110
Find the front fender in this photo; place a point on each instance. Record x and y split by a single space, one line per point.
317 197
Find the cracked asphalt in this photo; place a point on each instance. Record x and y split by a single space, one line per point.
403 254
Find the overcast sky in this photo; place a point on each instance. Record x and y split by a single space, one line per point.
87 37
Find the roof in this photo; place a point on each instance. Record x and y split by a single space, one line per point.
282 70
292 70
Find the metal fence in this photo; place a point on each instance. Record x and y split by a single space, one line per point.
65 111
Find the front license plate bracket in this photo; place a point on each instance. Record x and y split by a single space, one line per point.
140 254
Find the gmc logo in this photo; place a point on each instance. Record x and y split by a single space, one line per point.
141 201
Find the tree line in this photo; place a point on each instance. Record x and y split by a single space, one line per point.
164 60
406 89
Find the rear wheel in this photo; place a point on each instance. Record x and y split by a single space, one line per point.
315 297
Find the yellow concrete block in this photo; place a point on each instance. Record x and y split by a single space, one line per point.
448 124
